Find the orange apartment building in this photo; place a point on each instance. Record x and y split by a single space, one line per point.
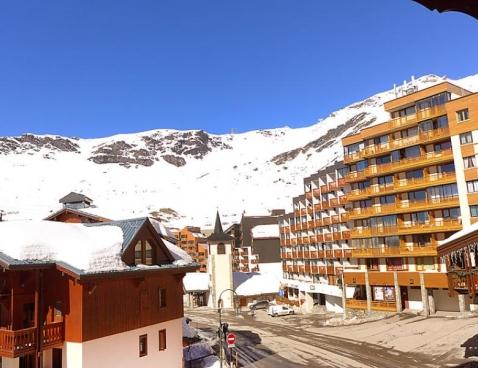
191 240
315 241
413 182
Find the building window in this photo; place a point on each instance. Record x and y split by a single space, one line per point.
221 248
472 186
463 115
474 211
162 340
143 345
162 297
466 138
469 162
143 253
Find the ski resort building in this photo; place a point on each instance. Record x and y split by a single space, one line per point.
413 182
314 241
194 242
106 294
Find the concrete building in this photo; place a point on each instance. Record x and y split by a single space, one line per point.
314 241
192 240
413 183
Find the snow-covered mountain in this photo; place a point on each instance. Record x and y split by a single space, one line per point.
181 175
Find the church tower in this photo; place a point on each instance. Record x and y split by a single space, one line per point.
219 266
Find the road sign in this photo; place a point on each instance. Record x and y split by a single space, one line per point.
231 340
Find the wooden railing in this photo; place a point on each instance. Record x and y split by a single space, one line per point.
410 228
384 306
356 304
394 251
15 343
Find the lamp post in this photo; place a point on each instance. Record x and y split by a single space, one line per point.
221 332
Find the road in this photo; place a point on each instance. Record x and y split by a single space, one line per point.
285 342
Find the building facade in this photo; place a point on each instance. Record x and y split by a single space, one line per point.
315 241
412 182
194 242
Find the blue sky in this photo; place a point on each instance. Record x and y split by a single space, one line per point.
96 68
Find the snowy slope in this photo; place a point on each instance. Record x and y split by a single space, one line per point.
183 176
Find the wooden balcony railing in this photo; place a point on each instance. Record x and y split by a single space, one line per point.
22 342
394 251
385 306
402 185
356 304
427 159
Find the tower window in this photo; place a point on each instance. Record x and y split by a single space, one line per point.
221 248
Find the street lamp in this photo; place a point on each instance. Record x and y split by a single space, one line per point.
221 332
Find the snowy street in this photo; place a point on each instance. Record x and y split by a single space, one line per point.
299 341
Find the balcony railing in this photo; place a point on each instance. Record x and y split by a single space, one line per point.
427 159
393 251
403 185
15 343
356 304
403 207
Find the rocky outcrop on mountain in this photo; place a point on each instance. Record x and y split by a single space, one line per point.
33 143
174 160
356 123
122 153
196 144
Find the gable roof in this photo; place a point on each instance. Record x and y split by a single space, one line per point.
76 212
74 197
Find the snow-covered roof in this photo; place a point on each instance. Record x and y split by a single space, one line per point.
196 281
459 234
265 231
161 228
177 252
252 283
86 248
188 330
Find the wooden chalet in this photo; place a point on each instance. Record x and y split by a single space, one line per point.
127 313
460 254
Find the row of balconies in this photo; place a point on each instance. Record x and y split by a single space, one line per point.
402 185
442 225
311 269
378 149
402 251
427 159
323 205
326 188
405 206
317 254
312 224
320 238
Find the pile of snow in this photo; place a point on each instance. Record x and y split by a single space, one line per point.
197 351
161 228
90 249
188 330
252 283
196 281
211 361
265 231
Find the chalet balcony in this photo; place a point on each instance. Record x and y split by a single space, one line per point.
15 343
463 280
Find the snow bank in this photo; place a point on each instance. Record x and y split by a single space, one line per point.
188 330
265 231
196 281
251 283
197 351
90 249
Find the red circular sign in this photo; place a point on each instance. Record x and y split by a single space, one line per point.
231 338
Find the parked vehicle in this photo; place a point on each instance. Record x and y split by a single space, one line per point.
263 304
279 310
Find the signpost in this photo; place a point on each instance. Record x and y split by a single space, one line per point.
231 340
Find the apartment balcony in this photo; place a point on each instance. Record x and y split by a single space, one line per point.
320 254
402 251
408 228
322 270
314 269
302 268
427 159
313 254
16 343
330 270
403 207
380 149
403 185
347 253
329 253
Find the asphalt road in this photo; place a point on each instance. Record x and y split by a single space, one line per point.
282 342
